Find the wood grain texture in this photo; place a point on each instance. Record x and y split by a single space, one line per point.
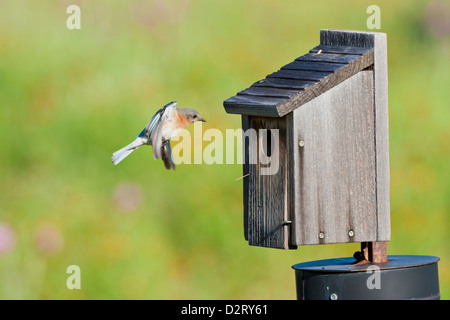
269 92
269 198
335 169
248 105
300 74
348 38
245 173
284 83
382 136
335 187
326 83
341 49
328 57
377 41
300 81
375 252
313 66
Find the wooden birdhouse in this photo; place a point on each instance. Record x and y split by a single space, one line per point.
320 169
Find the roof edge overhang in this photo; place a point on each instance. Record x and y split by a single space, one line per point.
340 55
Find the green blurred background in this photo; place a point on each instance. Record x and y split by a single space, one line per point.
69 98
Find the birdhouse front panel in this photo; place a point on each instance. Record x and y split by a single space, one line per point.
270 173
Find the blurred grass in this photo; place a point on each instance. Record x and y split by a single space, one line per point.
68 99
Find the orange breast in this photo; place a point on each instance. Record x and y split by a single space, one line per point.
181 121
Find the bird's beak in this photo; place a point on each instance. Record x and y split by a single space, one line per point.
203 120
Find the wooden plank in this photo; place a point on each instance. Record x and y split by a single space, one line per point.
256 100
278 107
313 66
288 157
326 83
328 57
268 201
299 74
350 38
340 49
379 43
249 105
382 136
335 168
245 173
269 92
284 83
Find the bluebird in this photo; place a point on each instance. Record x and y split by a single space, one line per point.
166 124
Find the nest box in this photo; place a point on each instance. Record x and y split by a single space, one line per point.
329 110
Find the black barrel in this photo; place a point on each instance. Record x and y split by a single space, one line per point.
402 277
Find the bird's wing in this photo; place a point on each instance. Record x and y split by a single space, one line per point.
155 126
166 155
156 140
151 126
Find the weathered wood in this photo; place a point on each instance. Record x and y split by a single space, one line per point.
269 203
328 57
269 92
330 37
300 74
284 83
245 173
326 83
379 43
313 66
248 105
332 181
382 137
341 49
310 74
335 166
375 252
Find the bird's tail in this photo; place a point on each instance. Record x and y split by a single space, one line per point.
121 154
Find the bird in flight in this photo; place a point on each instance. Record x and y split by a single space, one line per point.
166 124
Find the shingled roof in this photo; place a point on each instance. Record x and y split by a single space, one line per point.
300 81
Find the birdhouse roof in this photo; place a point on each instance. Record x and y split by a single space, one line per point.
302 80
